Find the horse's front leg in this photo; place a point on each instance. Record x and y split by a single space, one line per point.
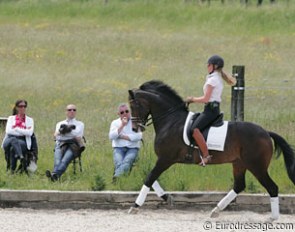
151 181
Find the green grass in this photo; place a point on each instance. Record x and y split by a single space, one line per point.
90 53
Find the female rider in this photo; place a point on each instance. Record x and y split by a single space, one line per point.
212 89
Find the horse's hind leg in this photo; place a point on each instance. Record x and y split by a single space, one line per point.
273 191
239 185
151 182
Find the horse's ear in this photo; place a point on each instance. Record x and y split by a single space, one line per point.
131 94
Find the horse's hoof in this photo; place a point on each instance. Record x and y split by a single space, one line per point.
271 219
170 201
133 210
215 212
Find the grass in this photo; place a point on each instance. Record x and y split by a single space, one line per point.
90 53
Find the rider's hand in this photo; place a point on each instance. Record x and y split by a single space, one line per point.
190 99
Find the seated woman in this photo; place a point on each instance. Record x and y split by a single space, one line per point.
19 138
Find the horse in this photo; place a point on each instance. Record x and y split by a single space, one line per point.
247 146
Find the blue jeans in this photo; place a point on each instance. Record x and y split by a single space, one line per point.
61 162
124 158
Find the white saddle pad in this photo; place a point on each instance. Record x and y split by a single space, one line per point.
216 135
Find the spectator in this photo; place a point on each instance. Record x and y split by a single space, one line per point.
19 139
68 143
125 142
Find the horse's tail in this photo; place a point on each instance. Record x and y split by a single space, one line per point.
281 146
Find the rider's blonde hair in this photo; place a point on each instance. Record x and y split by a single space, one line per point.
228 79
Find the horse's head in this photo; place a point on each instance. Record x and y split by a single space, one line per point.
140 109
156 99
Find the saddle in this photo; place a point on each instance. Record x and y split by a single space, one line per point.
188 132
217 122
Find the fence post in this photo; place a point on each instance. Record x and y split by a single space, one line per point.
3 122
237 94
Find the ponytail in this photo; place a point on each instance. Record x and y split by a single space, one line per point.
228 79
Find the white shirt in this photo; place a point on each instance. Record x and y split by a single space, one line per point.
215 80
77 132
29 122
135 137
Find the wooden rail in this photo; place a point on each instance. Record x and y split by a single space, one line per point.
43 199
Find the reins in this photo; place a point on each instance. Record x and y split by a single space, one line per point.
150 120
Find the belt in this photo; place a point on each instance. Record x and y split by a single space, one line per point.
213 104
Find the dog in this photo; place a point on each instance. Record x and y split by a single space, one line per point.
65 128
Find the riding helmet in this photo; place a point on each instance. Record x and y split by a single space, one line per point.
216 60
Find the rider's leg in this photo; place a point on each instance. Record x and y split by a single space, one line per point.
200 141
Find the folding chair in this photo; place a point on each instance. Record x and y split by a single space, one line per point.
78 158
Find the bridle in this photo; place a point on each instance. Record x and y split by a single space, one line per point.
138 119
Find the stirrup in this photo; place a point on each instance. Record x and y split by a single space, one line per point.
205 160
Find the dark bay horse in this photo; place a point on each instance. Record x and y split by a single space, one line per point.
247 146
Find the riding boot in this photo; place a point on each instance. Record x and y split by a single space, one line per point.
200 141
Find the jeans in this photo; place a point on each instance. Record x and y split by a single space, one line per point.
124 158
19 146
61 161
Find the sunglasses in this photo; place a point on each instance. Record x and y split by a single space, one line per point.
71 110
126 111
22 106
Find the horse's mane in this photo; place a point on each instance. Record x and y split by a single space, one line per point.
160 87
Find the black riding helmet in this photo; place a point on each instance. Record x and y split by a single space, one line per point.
216 60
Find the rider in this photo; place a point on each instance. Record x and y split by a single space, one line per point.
212 89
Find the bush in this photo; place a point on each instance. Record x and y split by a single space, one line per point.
99 183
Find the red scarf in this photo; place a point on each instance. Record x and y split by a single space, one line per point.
20 122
